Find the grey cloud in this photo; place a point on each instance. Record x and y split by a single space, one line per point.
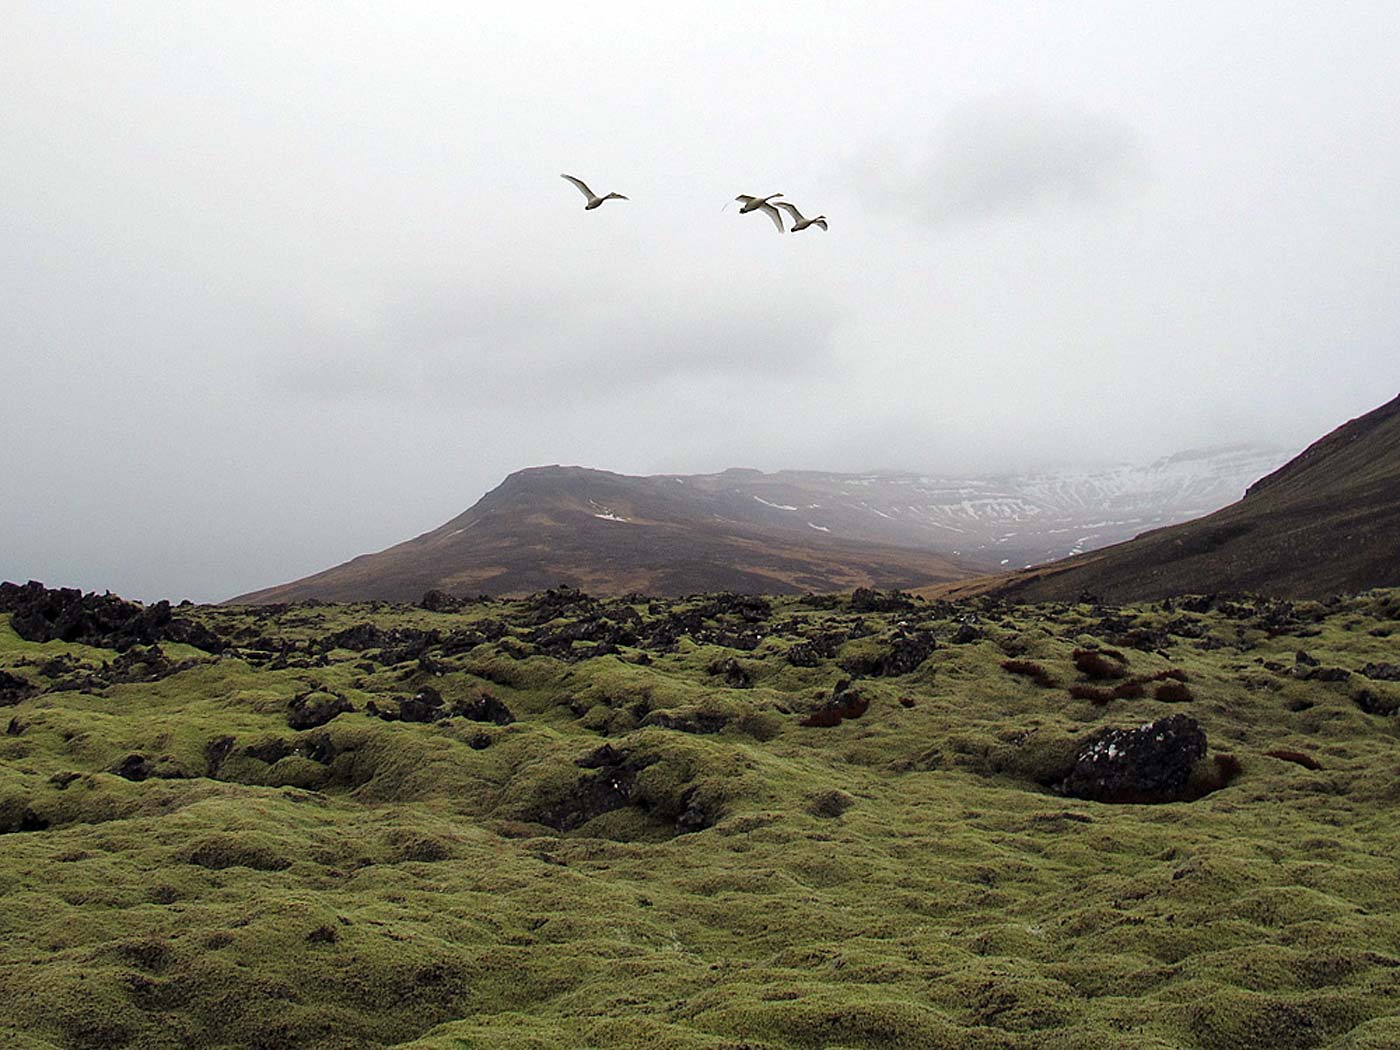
274 292
517 346
1000 157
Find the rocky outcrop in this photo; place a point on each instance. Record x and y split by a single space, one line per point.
39 614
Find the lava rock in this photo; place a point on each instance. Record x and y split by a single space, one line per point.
966 633
869 600
1150 764
315 708
907 652
1372 704
439 602
39 614
735 675
608 786
1327 674
484 707
424 706
13 689
215 752
135 767
1382 672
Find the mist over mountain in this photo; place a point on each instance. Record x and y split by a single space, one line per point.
1326 522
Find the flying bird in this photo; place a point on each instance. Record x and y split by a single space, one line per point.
798 222
761 204
593 199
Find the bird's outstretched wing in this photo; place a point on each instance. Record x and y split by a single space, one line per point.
791 209
582 186
616 197
774 215
819 222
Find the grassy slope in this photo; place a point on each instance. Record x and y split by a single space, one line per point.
404 895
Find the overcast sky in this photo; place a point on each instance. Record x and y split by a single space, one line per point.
284 283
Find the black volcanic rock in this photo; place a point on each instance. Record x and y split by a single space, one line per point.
1149 764
312 709
39 614
424 706
484 707
13 689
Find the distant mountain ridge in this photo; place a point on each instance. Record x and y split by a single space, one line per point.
1016 519
782 532
1326 522
612 534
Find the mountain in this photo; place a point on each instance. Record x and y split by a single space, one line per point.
1326 522
1007 519
782 532
610 534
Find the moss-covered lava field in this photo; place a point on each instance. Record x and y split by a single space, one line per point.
719 822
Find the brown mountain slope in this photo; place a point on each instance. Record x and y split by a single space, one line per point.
1326 522
612 534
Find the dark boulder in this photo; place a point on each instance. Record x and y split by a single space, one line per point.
270 751
15 817
869 600
966 633
815 648
439 601
315 708
735 674
135 767
483 707
1373 704
214 754
13 689
606 787
1327 674
423 706
1382 672
906 654
1150 764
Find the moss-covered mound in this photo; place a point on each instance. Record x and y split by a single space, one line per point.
713 823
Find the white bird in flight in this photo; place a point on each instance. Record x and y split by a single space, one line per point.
593 199
761 204
798 222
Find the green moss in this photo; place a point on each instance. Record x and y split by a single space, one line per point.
905 878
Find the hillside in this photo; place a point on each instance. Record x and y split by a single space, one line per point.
615 534
790 824
782 532
1326 522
